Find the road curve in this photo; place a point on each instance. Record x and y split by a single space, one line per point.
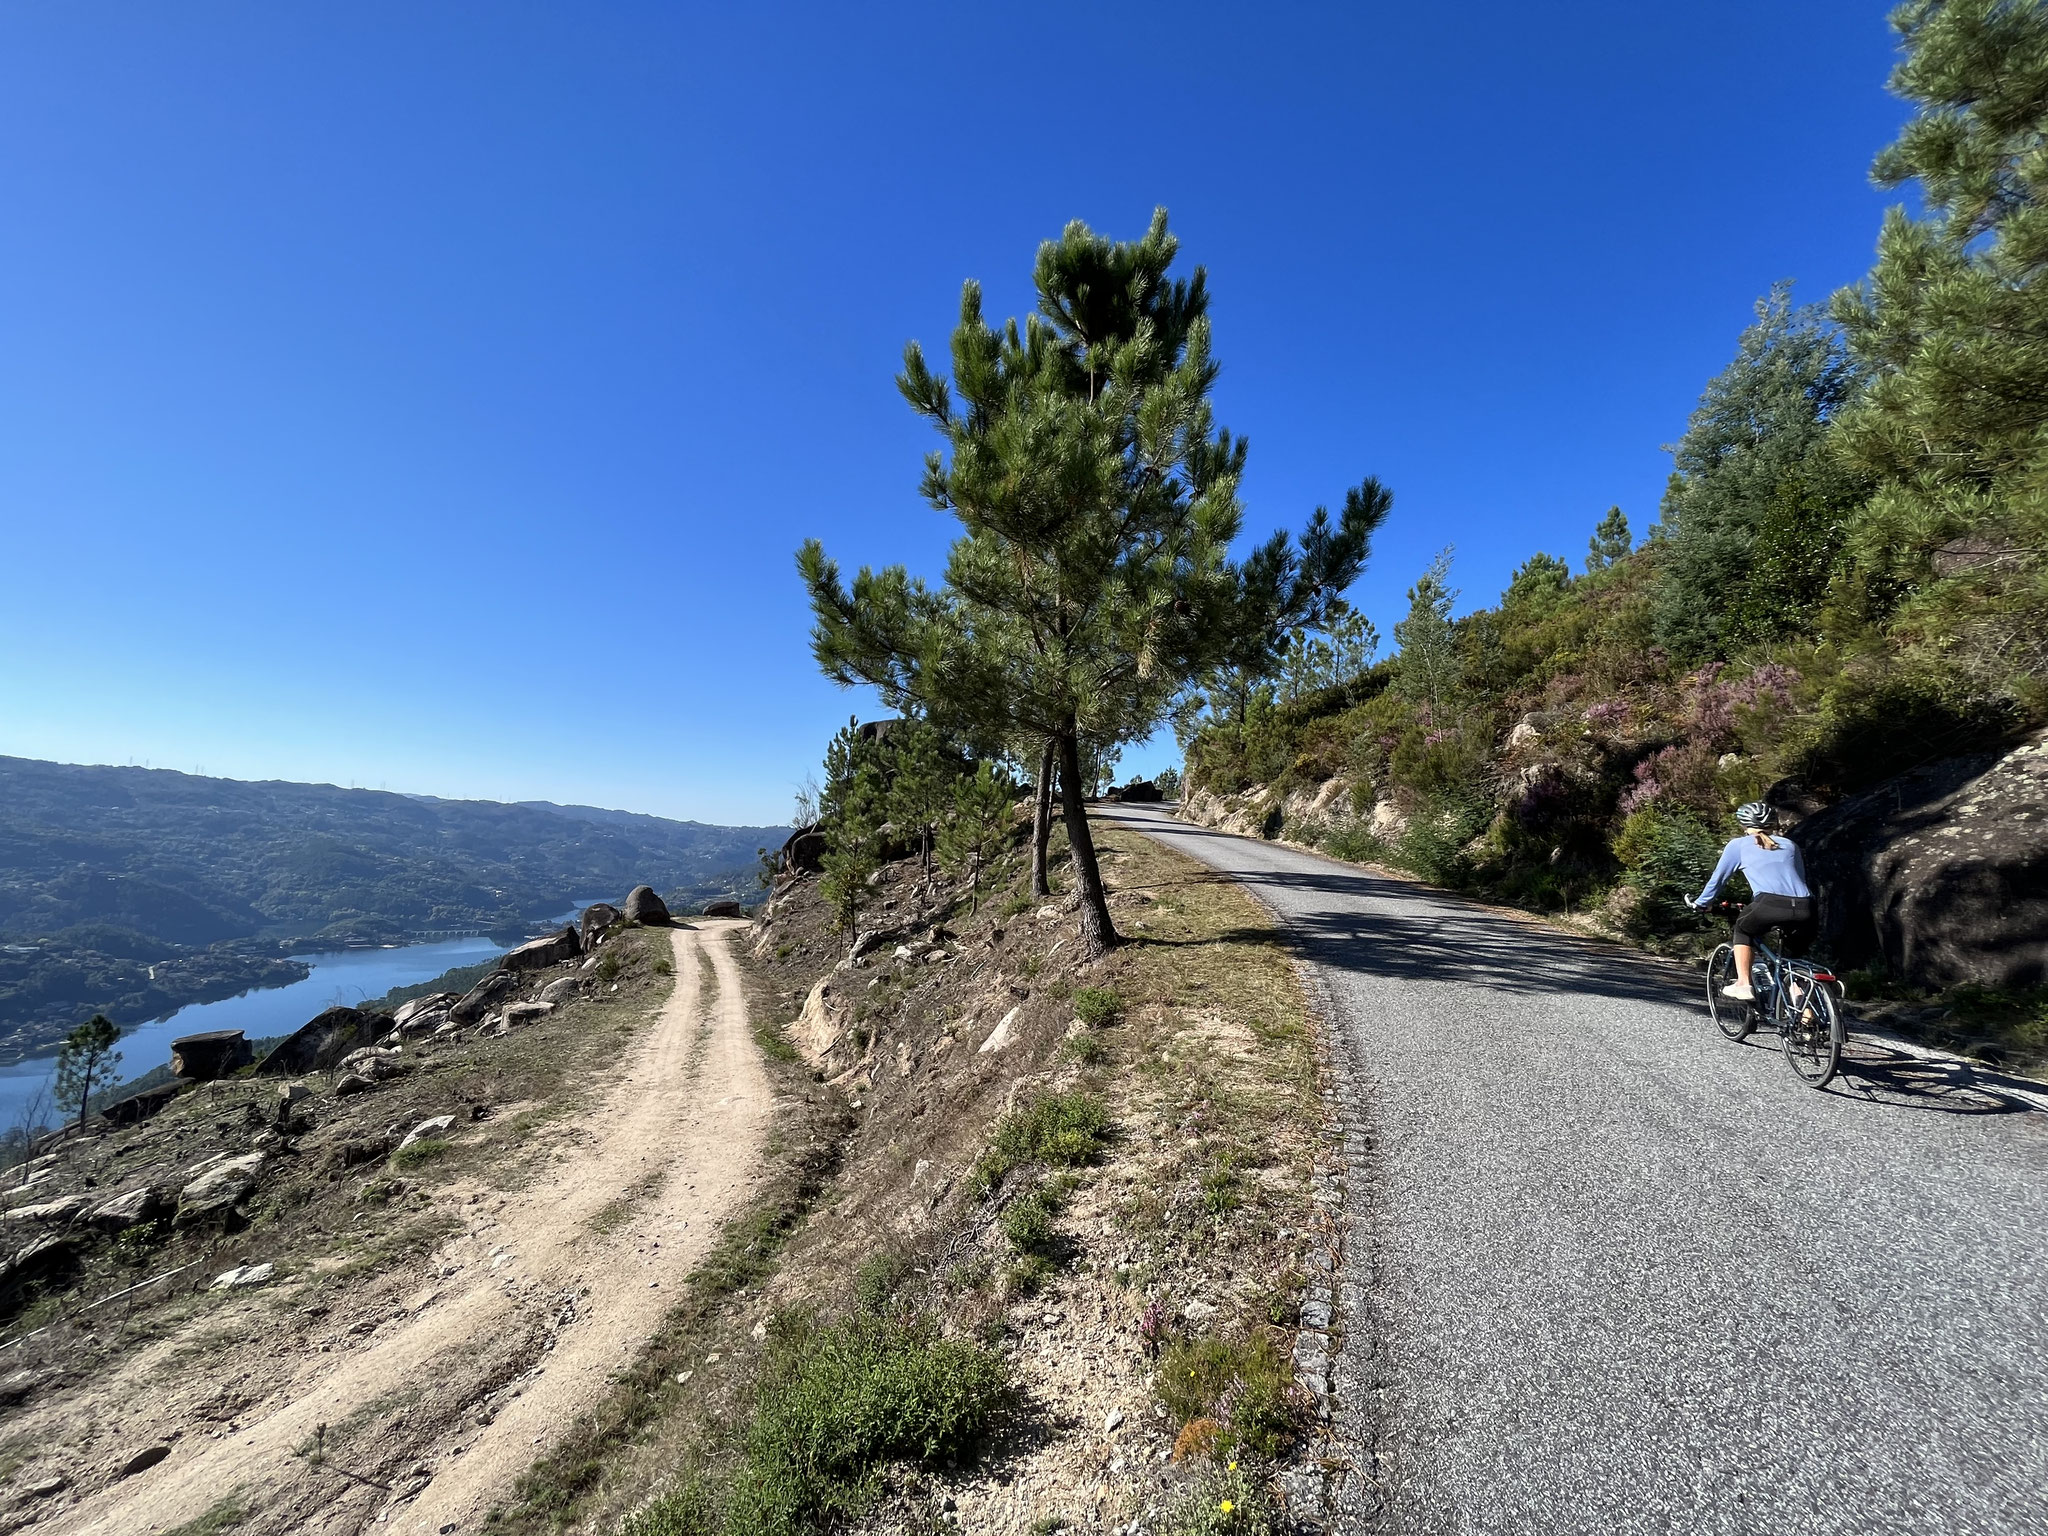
1625 1275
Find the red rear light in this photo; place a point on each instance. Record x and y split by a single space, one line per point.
1825 976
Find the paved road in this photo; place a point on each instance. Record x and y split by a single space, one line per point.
1633 1277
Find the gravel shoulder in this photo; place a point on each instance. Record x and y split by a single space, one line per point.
1627 1276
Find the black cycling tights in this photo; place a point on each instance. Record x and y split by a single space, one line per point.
1794 914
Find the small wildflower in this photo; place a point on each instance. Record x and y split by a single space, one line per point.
1226 1506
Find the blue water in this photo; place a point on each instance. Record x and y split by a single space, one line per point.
345 976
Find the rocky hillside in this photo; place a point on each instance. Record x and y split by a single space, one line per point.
1104 1178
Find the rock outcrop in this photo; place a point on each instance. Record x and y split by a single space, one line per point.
539 954
146 1203
596 918
217 1188
483 997
803 853
318 1044
643 906
726 908
204 1057
1940 874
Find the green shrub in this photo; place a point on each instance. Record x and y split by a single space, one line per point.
1226 1502
840 1401
836 1404
1434 844
1667 856
1098 1007
1086 1049
1245 1383
1025 1275
1019 904
425 1150
1061 1130
1220 1190
1028 1223
2013 1021
693 1507
877 1279
1356 845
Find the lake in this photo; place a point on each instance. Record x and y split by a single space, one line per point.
345 976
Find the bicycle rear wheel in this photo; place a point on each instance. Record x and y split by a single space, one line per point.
1736 1019
1811 1031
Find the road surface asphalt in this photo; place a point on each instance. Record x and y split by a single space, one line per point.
1626 1275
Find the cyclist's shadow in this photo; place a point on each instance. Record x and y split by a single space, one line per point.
1880 1072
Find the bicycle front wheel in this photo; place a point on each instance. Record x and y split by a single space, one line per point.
1736 1019
1811 1032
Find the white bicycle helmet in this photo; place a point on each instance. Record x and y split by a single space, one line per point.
1752 816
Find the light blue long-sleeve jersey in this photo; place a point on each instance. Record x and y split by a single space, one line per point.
1779 871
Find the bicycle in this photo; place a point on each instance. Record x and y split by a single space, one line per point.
1793 996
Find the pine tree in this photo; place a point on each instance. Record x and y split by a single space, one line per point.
921 788
851 807
1097 500
1953 323
973 837
1429 667
1610 541
1760 433
87 1056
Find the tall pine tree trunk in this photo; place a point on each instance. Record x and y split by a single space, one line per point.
1041 819
1098 933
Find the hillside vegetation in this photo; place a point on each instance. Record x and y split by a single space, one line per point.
133 891
1846 582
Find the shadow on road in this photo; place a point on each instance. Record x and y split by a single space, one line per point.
1352 921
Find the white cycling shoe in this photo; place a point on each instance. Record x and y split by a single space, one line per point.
1741 991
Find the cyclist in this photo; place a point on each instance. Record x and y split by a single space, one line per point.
1777 875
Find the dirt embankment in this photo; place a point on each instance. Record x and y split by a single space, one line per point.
1186 1237
409 1374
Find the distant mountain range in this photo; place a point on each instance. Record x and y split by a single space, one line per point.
126 889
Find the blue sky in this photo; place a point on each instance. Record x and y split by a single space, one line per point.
432 396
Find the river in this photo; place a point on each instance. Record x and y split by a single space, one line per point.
343 976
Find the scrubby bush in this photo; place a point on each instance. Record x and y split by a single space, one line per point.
877 1279
836 1404
1244 1383
1060 1130
1098 1007
1667 855
1227 1501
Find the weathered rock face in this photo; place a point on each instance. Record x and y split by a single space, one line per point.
138 1107
643 906
217 1053
433 1002
321 1042
804 852
539 954
1942 873
596 919
215 1192
481 998
724 909
563 991
125 1211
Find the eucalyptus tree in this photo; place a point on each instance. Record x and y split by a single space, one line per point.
1092 581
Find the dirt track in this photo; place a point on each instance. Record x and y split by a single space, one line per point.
679 1138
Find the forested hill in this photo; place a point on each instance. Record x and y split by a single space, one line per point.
110 870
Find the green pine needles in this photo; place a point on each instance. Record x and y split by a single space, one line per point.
1092 582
